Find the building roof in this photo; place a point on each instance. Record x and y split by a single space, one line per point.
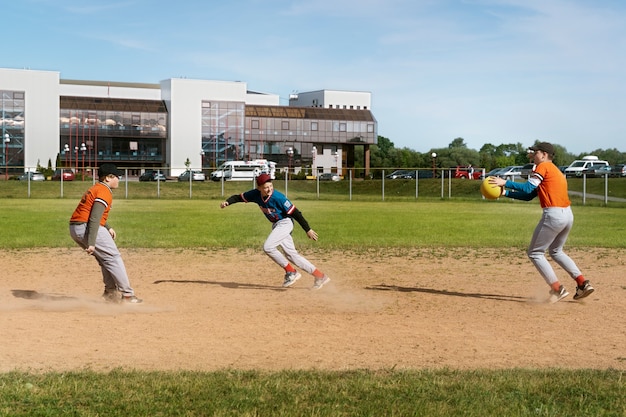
309 113
112 104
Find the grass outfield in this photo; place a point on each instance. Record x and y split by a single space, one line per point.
343 226
509 393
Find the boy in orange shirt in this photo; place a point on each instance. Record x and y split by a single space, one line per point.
89 228
549 183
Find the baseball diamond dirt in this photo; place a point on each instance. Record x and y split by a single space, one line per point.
391 308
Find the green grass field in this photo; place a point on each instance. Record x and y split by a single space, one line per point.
358 225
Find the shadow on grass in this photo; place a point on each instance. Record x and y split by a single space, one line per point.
234 285
499 297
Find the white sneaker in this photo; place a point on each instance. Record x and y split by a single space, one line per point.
319 282
558 295
290 278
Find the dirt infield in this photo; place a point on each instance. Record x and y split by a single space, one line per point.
209 310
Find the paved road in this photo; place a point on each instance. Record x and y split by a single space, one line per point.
598 196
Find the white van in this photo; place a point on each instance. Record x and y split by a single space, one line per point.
244 170
576 168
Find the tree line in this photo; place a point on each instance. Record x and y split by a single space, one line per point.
386 155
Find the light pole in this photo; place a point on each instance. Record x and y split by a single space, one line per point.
434 158
201 160
83 148
76 157
290 156
7 139
66 151
336 155
313 164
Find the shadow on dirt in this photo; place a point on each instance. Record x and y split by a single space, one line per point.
500 297
34 295
234 285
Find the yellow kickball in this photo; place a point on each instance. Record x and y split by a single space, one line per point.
490 191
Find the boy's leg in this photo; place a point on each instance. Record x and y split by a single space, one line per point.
281 230
111 263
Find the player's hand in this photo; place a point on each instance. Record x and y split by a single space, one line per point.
223 204
90 250
312 234
497 181
112 233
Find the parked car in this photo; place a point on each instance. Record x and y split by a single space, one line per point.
618 170
68 175
597 171
577 167
399 174
527 169
329 176
511 172
34 176
151 175
493 173
464 173
410 174
195 176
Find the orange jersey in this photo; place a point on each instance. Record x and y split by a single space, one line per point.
98 193
552 190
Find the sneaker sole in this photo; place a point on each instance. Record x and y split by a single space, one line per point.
293 281
584 294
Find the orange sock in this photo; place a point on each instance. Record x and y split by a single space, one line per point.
317 273
290 268
556 286
579 280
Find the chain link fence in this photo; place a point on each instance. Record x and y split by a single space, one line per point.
380 185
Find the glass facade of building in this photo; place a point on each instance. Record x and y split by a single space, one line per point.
12 103
271 130
222 132
130 133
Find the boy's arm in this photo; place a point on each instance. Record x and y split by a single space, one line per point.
235 198
297 216
97 210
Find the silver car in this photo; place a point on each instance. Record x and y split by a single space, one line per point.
32 176
195 176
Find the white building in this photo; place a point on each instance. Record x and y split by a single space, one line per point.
140 125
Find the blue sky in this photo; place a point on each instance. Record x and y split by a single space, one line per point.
489 71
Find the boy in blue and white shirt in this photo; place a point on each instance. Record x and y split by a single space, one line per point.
281 212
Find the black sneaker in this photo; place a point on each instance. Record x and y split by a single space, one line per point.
558 295
583 290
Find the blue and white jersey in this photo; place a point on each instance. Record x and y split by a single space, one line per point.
276 206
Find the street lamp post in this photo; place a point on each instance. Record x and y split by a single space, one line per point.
313 164
83 148
7 139
66 151
336 155
201 160
290 155
76 157
434 158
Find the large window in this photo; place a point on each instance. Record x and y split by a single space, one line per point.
130 133
12 141
222 132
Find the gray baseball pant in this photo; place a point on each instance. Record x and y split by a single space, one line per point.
550 235
281 236
108 256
